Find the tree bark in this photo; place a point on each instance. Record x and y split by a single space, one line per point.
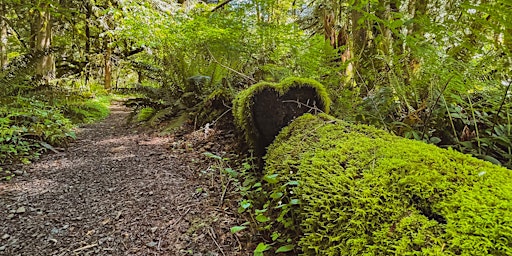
108 64
358 32
3 38
108 49
88 15
42 43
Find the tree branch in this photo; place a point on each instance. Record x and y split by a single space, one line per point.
221 5
8 22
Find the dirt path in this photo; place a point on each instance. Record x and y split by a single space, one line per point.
115 191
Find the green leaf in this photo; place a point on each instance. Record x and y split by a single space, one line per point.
295 201
285 248
435 140
261 248
231 172
276 195
275 235
262 218
245 204
236 229
272 179
48 146
292 183
210 155
492 160
246 166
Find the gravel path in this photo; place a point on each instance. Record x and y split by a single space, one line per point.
116 191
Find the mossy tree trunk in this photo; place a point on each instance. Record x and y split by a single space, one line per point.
108 64
3 37
42 29
88 15
108 49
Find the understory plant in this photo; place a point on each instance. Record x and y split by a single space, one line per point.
28 127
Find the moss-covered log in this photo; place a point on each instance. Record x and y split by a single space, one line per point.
262 110
342 189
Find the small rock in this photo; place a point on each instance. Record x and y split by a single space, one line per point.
6 236
153 229
3 247
18 172
10 216
21 210
151 244
150 193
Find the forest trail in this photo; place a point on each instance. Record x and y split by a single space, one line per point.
114 191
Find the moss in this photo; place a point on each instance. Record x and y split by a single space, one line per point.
145 114
88 111
244 102
356 190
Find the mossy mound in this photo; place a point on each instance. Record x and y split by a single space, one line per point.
263 109
343 189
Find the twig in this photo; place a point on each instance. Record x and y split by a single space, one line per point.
427 119
221 5
314 107
215 241
495 119
181 217
85 247
224 193
226 67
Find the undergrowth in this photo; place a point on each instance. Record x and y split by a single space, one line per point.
33 124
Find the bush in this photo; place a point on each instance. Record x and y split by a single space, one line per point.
28 127
336 188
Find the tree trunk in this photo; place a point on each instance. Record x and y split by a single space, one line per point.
358 33
108 49
42 42
88 15
108 64
3 38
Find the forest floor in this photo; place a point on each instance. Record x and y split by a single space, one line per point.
120 190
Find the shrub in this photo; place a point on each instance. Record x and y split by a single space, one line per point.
336 188
28 127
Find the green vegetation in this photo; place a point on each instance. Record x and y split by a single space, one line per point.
433 71
30 125
334 188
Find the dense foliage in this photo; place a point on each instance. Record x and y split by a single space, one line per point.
433 71
336 188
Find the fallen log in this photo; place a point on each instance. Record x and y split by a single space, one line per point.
334 188
263 109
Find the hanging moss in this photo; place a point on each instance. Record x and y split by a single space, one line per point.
344 189
263 109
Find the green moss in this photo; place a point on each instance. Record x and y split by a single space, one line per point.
362 191
145 114
242 105
87 111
